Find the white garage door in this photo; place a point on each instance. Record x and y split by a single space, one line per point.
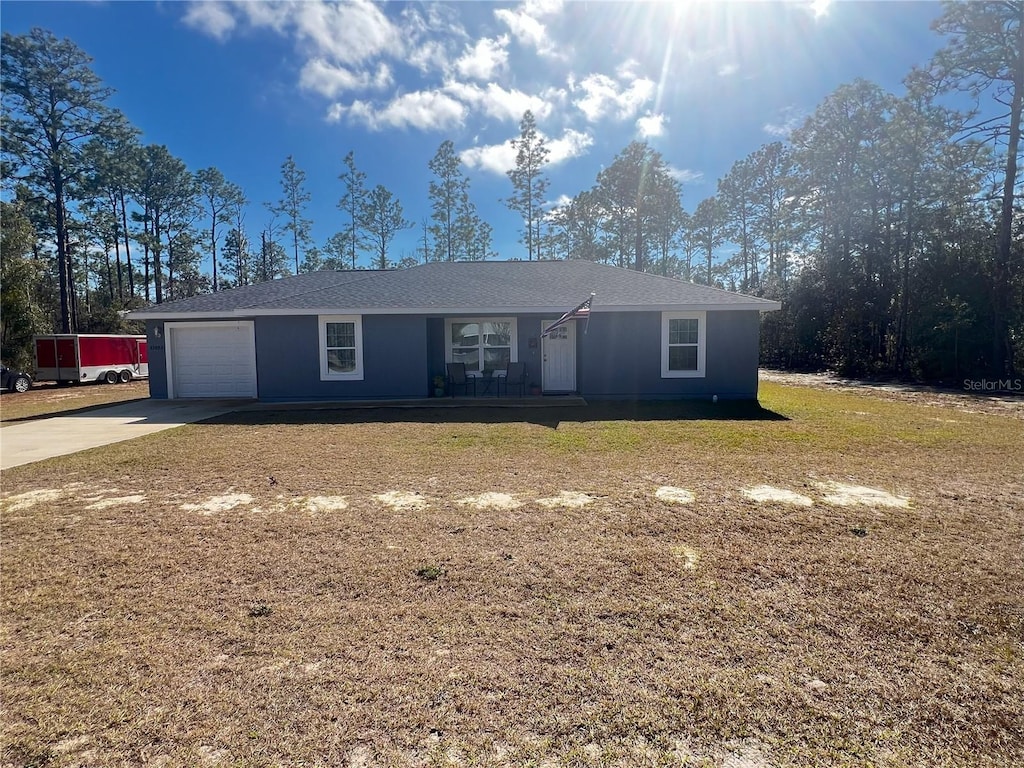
211 359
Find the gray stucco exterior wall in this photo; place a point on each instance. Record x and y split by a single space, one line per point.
157 359
394 359
619 358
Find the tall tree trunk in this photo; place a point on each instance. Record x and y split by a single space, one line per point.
127 247
213 250
170 269
638 243
110 271
117 253
1002 346
158 288
147 235
263 255
63 259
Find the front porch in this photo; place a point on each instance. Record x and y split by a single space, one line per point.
540 401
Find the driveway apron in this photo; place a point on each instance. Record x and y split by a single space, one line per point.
39 439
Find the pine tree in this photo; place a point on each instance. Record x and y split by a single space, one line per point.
529 184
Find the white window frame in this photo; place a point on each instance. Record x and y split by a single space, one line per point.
702 322
513 338
325 374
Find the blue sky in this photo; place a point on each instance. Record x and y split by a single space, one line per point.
241 85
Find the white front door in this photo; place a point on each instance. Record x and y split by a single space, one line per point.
558 358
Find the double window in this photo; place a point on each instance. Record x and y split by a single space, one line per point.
682 344
482 344
341 348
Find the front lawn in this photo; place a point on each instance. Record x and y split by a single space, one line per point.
549 587
50 399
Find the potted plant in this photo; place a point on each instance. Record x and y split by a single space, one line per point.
439 384
534 389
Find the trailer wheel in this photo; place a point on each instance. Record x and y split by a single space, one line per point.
110 377
125 376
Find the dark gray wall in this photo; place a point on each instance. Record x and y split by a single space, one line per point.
394 359
157 359
620 358
435 348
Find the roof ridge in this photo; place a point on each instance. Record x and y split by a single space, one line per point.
672 279
368 272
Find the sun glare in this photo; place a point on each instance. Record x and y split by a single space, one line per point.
820 8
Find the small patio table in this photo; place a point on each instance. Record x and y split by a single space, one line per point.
488 382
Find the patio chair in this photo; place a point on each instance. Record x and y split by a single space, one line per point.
515 376
457 378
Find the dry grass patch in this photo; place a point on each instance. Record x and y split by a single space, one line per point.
846 495
49 399
767 494
402 500
567 499
326 503
627 631
492 500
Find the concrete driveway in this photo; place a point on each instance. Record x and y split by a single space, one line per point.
39 439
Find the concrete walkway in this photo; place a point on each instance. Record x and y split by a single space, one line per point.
41 439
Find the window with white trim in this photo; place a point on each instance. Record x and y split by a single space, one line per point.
481 343
682 344
341 348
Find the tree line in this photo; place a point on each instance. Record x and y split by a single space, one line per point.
889 226
95 222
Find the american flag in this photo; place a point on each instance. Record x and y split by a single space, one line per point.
583 310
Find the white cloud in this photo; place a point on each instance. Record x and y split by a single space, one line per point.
349 33
275 16
622 97
651 125
685 175
496 158
525 25
484 59
426 36
213 18
789 119
501 158
728 69
347 49
428 56
330 80
571 144
346 33
819 8
424 110
335 112
505 104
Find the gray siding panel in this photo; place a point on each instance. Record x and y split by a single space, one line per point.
157 359
620 358
435 347
394 359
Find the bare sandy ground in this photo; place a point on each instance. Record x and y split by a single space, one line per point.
996 403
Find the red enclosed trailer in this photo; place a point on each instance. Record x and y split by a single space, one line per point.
76 357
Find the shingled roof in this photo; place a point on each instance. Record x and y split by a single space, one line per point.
490 287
